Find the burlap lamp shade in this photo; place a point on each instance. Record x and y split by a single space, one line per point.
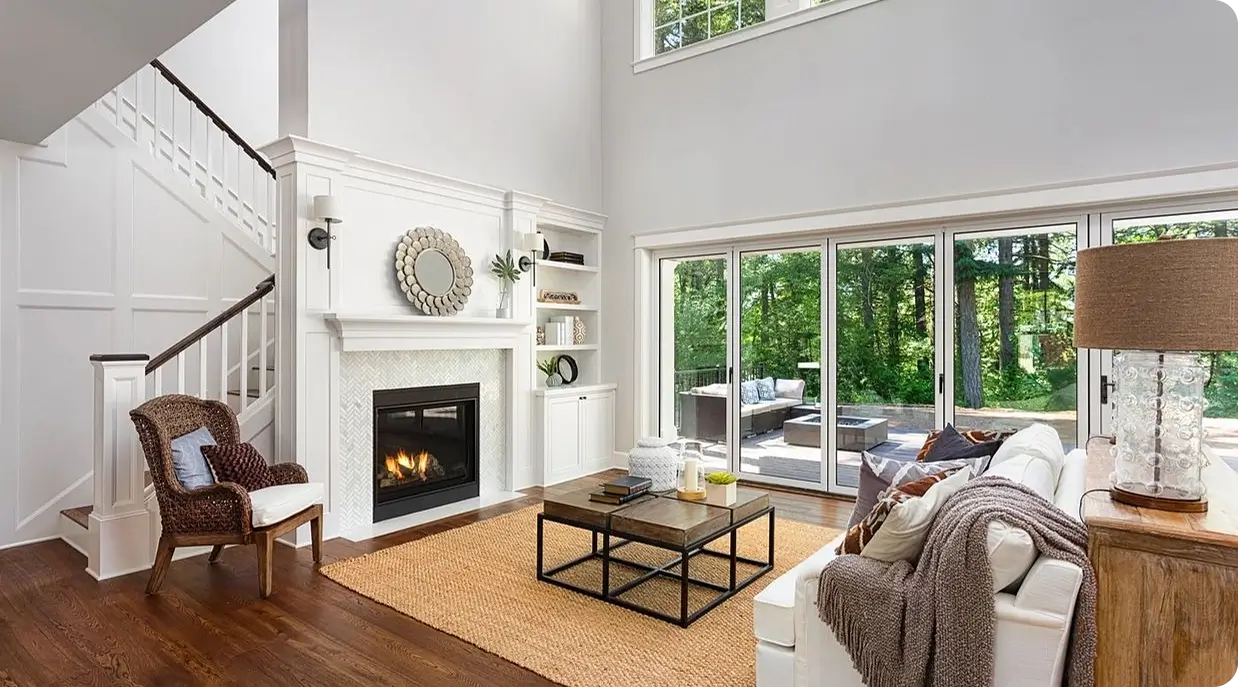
1156 303
1176 295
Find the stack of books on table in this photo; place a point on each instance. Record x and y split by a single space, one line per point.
621 490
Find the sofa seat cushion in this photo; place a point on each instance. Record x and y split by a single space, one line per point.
278 503
751 409
1011 550
773 616
719 389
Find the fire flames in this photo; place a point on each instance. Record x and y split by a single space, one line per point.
417 466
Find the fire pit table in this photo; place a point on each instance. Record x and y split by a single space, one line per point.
854 433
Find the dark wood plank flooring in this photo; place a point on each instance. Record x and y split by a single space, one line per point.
208 626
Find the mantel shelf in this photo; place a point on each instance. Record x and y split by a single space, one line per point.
379 332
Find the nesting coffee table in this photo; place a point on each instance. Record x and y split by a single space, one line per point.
683 528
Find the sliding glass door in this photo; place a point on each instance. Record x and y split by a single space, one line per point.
1015 362
777 406
694 358
884 363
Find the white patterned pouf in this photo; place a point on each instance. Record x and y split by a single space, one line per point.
654 458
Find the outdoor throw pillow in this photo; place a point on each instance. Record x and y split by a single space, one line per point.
878 474
765 388
188 462
240 464
952 445
748 393
862 533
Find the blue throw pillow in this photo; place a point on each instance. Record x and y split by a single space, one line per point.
188 462
765 387
748 393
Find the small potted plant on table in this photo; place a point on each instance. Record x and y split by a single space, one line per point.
720 488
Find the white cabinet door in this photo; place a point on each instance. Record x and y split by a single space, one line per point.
561 437
597 421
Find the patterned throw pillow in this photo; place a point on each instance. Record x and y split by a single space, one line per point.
748 393
240 464
878 474
975 436
862 532
765 389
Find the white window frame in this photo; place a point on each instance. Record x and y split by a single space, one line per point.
779 15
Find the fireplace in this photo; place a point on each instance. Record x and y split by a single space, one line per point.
425 448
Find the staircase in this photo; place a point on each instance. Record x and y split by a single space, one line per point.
229 358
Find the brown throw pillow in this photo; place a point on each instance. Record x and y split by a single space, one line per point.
862 532
974 436
240 464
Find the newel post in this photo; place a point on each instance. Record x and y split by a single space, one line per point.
119 524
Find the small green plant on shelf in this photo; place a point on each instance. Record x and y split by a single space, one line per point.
505 268
721 478
550 368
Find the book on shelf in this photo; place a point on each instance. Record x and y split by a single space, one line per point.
600 495
565 256
627 485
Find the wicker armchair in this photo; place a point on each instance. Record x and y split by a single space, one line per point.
219 514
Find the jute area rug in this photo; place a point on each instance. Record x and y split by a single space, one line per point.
478 583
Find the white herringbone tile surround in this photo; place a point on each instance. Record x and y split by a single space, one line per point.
363 372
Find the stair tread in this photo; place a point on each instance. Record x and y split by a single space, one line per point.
79 515
252 393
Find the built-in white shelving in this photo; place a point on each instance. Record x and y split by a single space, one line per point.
566 306
566 347
570 267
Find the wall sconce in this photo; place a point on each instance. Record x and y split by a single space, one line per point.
326 210
532 243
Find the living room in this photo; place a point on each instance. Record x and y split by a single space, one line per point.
593 339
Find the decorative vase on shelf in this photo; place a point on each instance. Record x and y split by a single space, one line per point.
504 311
578 331
553 380
653 458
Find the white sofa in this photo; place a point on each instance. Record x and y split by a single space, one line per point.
1034 612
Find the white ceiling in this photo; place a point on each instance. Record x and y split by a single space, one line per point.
59 56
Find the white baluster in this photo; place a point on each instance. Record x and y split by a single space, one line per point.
158 381
154 113
262 346
244 366
223 362
271 219
180 372
202 367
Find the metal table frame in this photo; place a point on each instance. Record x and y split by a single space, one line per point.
605 551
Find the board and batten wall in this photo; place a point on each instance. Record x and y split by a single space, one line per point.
103 249
501 93
901 101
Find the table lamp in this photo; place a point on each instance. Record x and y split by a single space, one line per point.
1152 303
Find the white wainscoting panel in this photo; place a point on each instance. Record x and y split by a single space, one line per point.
102 250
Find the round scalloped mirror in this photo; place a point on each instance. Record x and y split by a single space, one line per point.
434 272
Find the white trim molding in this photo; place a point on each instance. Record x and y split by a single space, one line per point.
643 25
360 332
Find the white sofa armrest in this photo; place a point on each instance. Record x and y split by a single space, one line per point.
807 584
1050 589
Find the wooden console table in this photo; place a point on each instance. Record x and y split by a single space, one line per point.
1167 608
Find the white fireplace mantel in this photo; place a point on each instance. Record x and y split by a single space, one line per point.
370 332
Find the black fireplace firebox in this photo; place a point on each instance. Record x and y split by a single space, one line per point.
425 448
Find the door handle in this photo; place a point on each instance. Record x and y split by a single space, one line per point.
941 382
1105 385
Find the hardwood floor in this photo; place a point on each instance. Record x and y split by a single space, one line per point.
209 627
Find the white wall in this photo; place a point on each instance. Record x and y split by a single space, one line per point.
103 249
898 101
232 63
502 93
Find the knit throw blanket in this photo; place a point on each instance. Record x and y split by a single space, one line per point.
932 622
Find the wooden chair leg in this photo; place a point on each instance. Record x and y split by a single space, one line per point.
163 558
219 548
266 556
316 537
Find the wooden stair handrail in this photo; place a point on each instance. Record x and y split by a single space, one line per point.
263 288
210 114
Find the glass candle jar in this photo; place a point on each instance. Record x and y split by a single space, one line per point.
691 472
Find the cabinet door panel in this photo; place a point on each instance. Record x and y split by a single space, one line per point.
562 437
597 414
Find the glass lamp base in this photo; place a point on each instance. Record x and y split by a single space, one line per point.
1140 496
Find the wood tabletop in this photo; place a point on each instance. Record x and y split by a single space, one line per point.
670 520
1217 527
576 506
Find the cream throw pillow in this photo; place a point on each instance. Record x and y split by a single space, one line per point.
902 536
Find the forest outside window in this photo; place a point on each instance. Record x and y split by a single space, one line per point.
671 30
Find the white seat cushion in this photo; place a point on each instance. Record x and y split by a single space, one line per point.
1011 550
273 504
773 615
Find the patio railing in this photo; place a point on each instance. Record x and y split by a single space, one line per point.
686 380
